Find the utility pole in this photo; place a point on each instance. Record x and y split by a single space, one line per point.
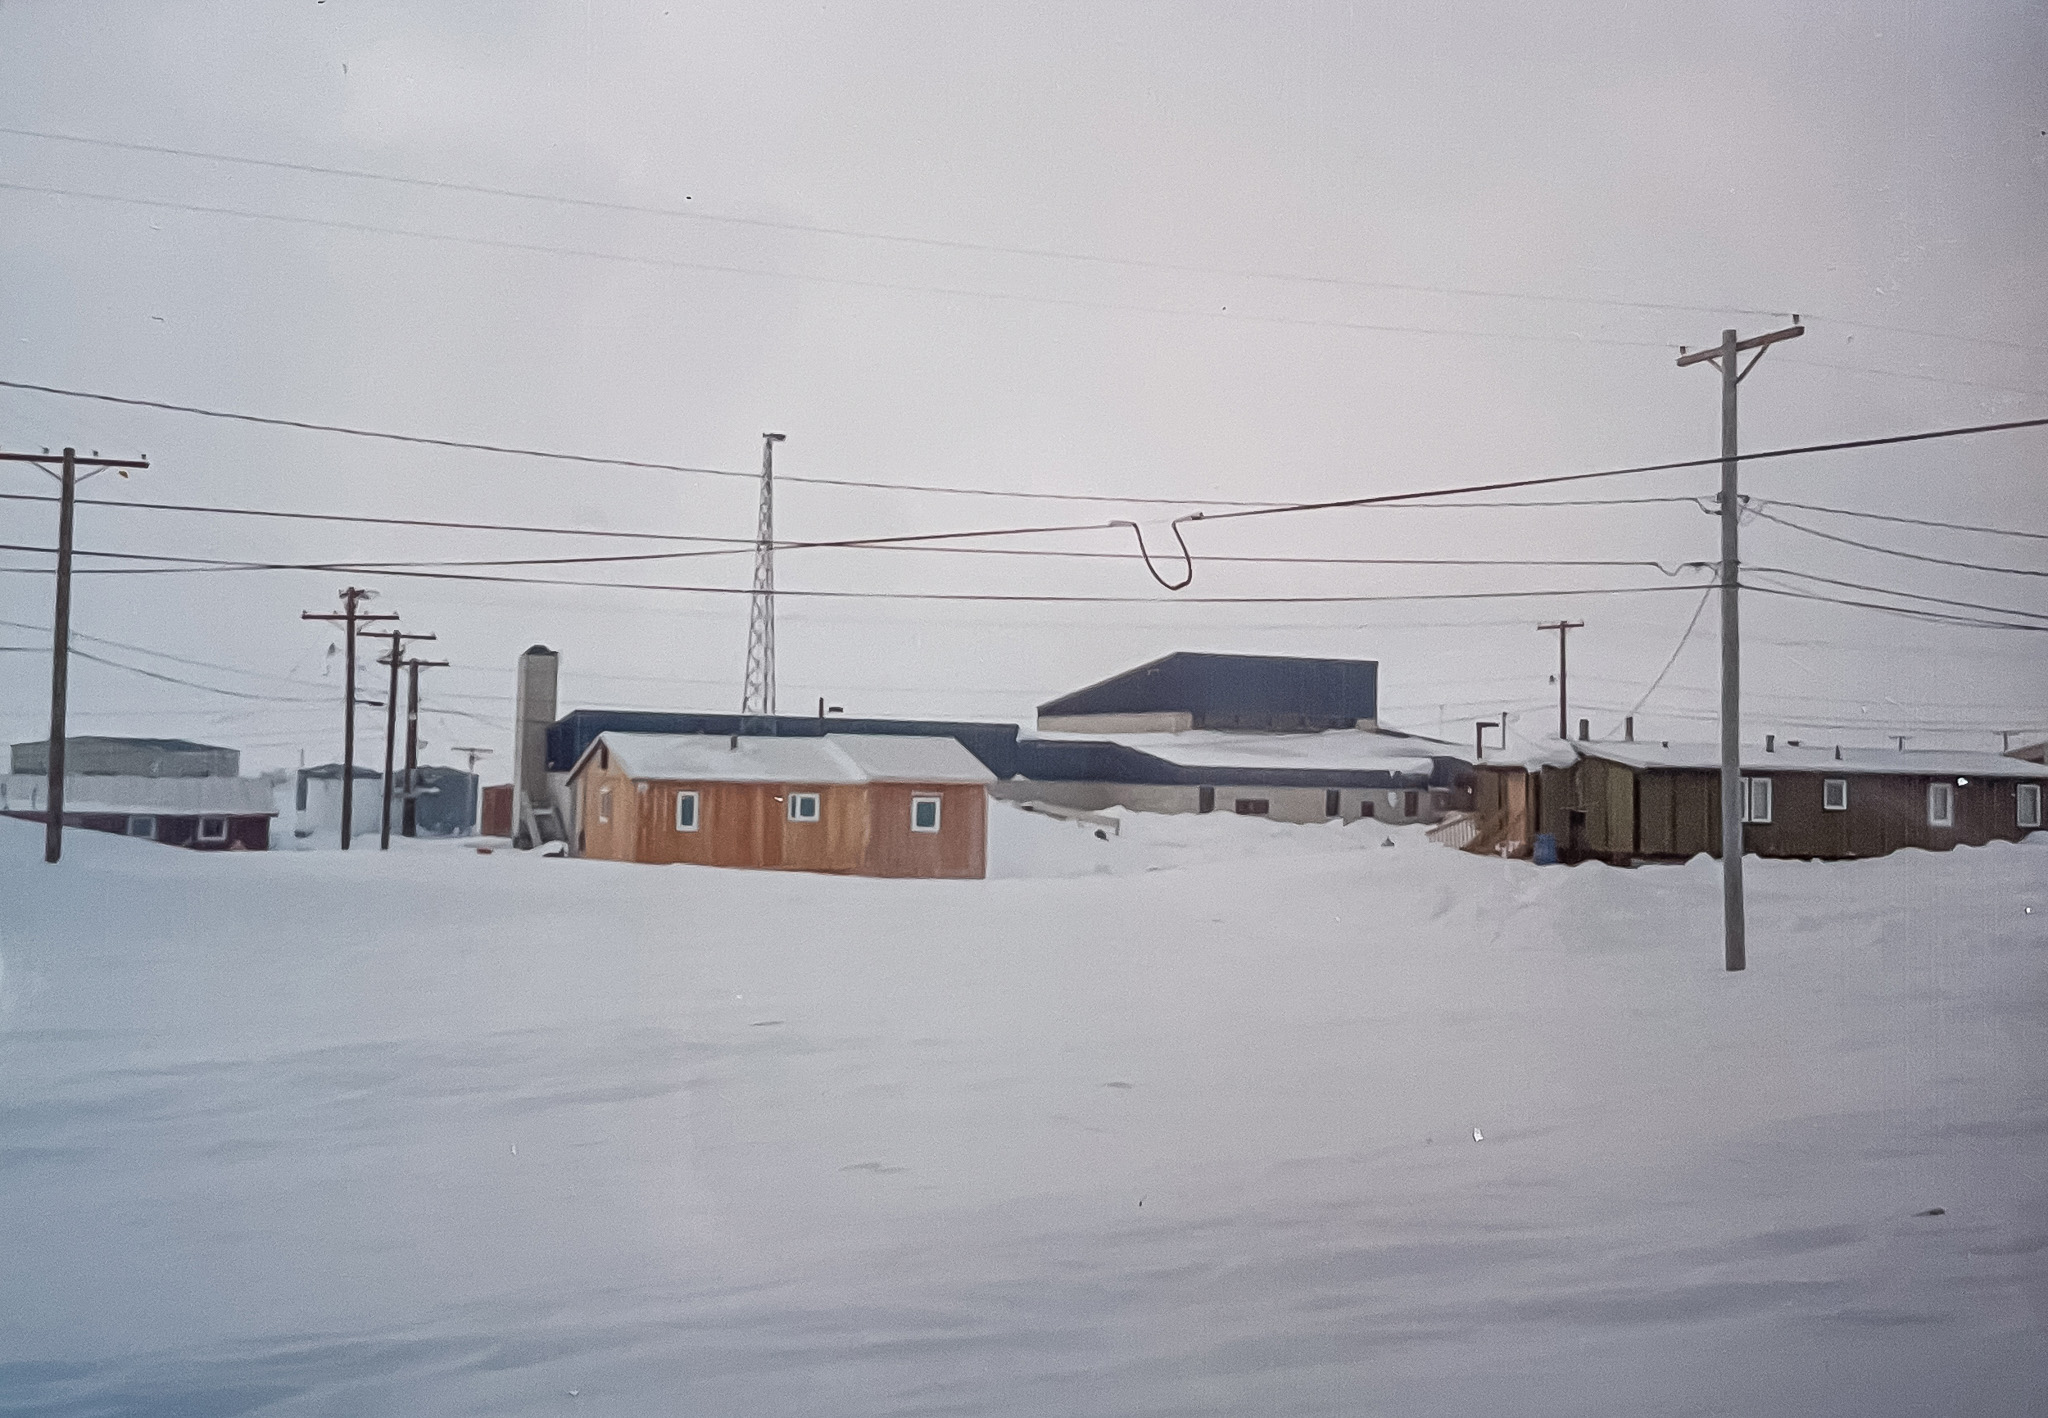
351 598
758 695
394 659
60 624
1564 628
1724 356
476 804
409 818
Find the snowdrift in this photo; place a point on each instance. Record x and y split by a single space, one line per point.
1215 1116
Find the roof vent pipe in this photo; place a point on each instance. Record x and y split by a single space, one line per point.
1628 729
735 742
1770 743
1585 729
1838 753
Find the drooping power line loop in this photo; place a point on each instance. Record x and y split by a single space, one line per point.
1174 526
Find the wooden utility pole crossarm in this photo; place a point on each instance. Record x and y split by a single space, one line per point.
60 623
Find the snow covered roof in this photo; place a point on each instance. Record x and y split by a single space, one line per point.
829 758
1814 758
1521 751
911 758
117 793
1333 750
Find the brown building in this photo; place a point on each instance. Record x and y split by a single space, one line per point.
207 814
1625 802
858 804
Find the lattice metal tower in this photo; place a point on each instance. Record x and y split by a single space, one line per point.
759 695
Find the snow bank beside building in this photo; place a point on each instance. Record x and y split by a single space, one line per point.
1265 1120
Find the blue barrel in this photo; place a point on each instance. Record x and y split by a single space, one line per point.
1546 849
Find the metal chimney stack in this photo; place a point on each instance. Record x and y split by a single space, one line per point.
539 669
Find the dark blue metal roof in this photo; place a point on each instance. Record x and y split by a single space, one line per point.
1074 760
1236 692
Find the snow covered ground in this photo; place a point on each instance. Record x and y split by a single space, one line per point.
1217 1116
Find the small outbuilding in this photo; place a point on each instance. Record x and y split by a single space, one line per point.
857 804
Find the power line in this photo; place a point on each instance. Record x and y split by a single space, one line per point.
1884 517
1705 596
349 568
814 229
748 542
1251 509
199 564
192 684
858 283
1868 725
1895 551
1923 378
1836 447
175 659
1926 334
1906 595
596 460
1910 612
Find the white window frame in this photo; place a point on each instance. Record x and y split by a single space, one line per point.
604 803
1756 801
689 795
798 800
220 836
136 820
2030 794
1941 805
919 800
1834 795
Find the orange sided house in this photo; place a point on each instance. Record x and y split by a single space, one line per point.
855 804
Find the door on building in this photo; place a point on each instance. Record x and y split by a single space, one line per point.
1205 800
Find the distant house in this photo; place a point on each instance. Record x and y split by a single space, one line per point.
1626 802
98 756
1291 738
860 804
172 791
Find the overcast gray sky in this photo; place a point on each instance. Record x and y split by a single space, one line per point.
1285 211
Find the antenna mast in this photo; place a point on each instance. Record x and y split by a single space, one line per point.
759 695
